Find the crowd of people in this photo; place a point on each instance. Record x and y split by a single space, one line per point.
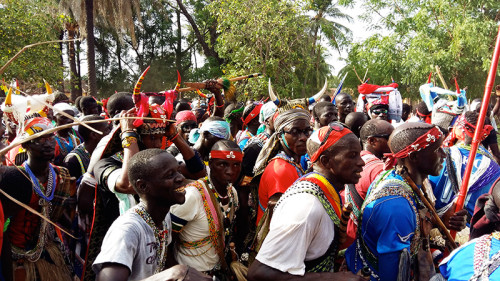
151 186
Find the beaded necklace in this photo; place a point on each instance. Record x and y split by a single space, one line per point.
226 213
161 237
38 187
483 265
66 146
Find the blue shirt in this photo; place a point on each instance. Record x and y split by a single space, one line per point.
485 172
387 227
460 264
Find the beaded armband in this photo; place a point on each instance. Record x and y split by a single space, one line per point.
128 141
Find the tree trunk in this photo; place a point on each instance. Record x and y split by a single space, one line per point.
119 55
89 10
78 63
60 82
207 50
178 49
72 62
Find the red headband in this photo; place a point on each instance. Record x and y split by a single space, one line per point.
422 142
254 113
227 155
185 115
427 116
462 127
332 136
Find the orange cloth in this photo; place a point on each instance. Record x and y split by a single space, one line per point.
278 176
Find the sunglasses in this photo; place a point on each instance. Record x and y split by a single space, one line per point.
384 136
334 126
379 111
296 132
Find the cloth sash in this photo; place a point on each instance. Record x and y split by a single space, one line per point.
331 194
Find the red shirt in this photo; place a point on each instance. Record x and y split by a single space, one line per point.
373 167
278 176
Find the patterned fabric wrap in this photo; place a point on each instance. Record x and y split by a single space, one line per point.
485 172
36 125
219 129
273 144
267 111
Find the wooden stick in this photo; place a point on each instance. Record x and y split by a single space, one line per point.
29 46
17 142
354 68
366 72
438 71
62 112
452 245
35 212
230 79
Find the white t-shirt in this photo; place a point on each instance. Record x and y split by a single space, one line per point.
131 242
300 230
195 227
125 201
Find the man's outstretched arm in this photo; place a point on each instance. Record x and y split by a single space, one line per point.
261 272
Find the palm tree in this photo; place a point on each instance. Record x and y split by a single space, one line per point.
325 22
118 15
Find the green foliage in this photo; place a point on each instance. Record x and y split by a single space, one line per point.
24 22
456 35
269 37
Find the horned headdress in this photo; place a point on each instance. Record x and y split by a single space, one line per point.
19 108
144 109
444 104
284 104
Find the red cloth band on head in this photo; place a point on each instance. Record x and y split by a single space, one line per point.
461 128
253 114
185 115
333 137
422 142
227 155
427 117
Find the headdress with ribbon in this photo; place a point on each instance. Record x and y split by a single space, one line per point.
422 142
371 95
444 104
284 104
461 128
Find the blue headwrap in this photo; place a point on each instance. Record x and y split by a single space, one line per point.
217 128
